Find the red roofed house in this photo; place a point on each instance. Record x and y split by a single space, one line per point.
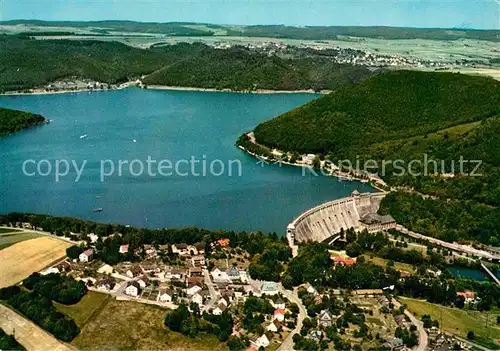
222 242
279 314
344 261
469 296
123 249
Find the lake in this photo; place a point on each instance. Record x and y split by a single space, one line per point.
193 131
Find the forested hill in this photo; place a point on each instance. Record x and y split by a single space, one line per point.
12 120
412 116
390 106
240 69
27 63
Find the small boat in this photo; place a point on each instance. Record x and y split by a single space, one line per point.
135 141
99 209
83 136
97 197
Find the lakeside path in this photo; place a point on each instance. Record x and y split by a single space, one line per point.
28 334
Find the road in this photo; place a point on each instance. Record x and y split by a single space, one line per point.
423 338
293 297
211 290
28 334
24 230
453 246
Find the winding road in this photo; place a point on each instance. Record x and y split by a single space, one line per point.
287 344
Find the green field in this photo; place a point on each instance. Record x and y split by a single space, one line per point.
85 308
9 237
127 325
383 263
457 321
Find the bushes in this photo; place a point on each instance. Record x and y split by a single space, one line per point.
74 251
41 311
8 342
56 287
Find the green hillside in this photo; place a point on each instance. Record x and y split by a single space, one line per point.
12 120
433 119
27 63
238 68
393 105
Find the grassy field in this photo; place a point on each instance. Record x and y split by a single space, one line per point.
9 237
458 321
383 263
8 230
130 325
85 308
25 257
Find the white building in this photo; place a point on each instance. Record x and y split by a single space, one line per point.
197 299
133 289
165 295
86 255
219 275
263 341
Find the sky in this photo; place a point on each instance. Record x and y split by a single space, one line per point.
478 14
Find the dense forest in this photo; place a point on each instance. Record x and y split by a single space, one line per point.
12 120
27 63
426 121
273 31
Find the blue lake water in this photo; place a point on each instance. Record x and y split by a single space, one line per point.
166 125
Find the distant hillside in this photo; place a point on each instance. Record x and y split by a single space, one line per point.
27 63
389 106
273 31
12 120
240 69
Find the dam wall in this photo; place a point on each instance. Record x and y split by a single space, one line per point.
321 222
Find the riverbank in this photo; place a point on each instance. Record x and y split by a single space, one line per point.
43 91
257 91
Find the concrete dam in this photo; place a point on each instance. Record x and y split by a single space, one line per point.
359 211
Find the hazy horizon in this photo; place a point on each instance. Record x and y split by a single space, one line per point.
446 14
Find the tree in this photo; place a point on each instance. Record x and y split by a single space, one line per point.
471 335
74 251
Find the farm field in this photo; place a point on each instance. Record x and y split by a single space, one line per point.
23 258
457 321
130 325
85 308
9 237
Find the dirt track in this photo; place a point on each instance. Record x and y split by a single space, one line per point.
28 334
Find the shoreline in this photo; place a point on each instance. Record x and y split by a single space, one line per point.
331 174
257 91
38 91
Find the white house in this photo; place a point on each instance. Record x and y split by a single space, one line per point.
50 270
193 290
272 327
93 237
263 341
219 275
198 260
165 295
198 299
279 303
86 255
143 281
133 289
